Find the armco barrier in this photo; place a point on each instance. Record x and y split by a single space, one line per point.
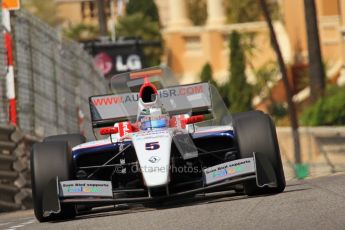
15 186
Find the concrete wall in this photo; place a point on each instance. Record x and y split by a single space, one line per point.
323 148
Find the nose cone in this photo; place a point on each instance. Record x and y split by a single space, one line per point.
153 154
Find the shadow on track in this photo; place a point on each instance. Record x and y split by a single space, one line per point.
177 203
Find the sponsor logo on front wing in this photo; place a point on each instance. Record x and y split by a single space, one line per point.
83 190
228 171
86 188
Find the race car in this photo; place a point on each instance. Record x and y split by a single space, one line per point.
155 140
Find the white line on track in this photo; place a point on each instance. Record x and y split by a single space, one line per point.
20 225
15 227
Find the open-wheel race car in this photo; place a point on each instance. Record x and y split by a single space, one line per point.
155 141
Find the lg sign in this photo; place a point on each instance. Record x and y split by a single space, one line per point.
116 57
103 62
122 63
129 63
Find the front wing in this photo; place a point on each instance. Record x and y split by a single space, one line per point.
98 193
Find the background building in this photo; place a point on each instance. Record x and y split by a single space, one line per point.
189 47
85 11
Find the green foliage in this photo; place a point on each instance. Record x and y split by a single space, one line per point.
265 78
197 11
329 110
248 43
207 74
278 110
137 25
240 92
248 10
142 21
140 26
45 10
147 7
224 93
81 32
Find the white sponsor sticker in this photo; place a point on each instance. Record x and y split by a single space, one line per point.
74 188
228 170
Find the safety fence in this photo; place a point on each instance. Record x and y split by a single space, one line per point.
3 70
53 78
15 182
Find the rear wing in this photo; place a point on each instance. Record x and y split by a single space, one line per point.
111 108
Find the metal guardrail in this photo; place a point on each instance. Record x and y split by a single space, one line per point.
15 185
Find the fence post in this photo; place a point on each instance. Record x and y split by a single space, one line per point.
11 96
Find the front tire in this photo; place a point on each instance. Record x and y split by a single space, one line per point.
48 161
255 132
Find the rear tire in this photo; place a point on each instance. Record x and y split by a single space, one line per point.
255 132
48 161
72 139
